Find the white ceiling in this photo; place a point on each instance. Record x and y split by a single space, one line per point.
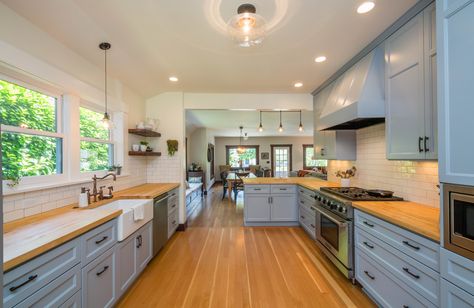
153 39
225 123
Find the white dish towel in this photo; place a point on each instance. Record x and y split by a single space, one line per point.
138 212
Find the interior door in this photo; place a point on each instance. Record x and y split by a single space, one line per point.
281 160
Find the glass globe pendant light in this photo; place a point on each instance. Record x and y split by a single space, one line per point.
240 149
106 121
247 28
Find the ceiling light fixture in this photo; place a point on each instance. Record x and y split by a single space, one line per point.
247 28
298 84
280 128
106 121
260 127
173 79
240 149
300 128
320 59
365 7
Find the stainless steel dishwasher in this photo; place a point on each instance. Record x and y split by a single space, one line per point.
160 222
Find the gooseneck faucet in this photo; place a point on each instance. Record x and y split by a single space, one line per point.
100 192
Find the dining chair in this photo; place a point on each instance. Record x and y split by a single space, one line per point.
238 184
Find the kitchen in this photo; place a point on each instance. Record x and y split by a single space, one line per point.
395 105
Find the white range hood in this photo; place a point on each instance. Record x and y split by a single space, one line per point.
356 98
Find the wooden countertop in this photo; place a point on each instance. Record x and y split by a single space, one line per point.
27 238
307 182
415 217
147 191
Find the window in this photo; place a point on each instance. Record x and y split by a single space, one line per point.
242 160
97 149
31 132
308 158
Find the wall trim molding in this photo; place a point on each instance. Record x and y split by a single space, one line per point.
412 12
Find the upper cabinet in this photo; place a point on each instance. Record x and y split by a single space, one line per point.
455 41
410 87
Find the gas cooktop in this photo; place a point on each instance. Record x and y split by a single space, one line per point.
357 194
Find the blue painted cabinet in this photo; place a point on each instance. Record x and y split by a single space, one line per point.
455 41
410 86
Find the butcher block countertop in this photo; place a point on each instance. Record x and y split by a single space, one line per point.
29 237
415 217
307 182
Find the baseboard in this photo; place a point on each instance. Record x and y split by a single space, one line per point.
182 227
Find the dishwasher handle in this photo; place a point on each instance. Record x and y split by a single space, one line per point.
160 200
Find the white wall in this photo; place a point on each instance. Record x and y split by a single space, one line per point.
264 143
168 109
413 180
197 151
26 50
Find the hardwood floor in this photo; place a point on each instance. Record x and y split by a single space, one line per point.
217 262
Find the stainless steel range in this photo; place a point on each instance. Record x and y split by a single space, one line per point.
334 222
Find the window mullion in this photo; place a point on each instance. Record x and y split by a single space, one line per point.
29 131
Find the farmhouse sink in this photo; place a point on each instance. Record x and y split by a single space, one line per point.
126 225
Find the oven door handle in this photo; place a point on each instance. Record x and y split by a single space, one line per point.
339 221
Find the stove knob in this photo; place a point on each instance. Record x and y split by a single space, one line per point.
324 201
340 208
333 206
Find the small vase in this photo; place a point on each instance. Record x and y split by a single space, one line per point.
143 147
345 182
136 147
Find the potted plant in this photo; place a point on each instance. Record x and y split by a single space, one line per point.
172 146
143 146
116 168
346 176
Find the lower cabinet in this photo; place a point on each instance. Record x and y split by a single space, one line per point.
98 281
275 208
454 297
133 255
74 301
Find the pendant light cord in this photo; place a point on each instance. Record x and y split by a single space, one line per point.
105 60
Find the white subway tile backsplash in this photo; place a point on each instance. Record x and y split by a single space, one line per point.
413 180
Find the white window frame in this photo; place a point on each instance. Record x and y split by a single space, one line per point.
111 141
30 181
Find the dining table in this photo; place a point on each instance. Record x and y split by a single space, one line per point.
231 178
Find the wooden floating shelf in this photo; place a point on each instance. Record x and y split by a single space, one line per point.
143 132
140 153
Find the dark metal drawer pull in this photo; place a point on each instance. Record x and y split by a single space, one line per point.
368 245
406 306
139 241
420 148
312 226
257 189
302 201
302 217
282 188
426 144
313 208
410 245
368 275
410 273
101 240
102 271
368 224
173 205
30 279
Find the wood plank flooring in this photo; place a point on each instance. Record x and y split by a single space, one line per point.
217 262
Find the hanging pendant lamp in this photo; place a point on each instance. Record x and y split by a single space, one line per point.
106 121
247 28
240 149
280 128
300 128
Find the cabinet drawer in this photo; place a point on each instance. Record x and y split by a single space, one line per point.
283 189
97 241
454 297
307 203
26 279
384 288
172 204
98 281
257 189
308 221
417 276
173 193
417 247
74 301
306 192
172 223
57 292
458 270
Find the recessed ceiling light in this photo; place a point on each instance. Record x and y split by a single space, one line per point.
365 7
173 79
320 59
298 84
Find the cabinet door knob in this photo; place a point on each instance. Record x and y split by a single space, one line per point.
420 147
